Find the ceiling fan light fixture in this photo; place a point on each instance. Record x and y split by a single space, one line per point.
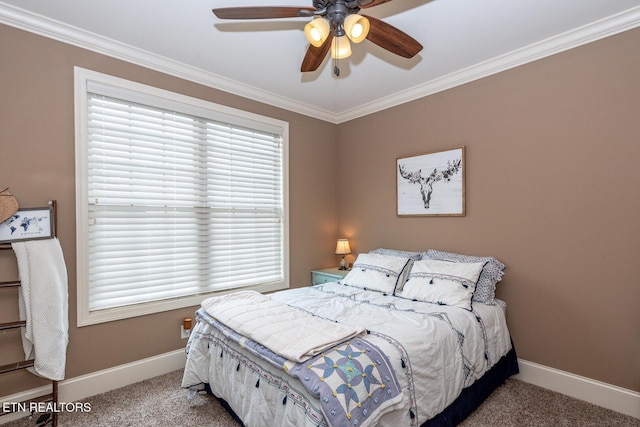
340 47
356 27
317 31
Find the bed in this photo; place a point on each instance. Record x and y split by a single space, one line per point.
405 339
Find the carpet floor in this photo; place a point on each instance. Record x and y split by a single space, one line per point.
160 401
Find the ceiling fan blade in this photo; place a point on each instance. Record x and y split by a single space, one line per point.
266 12
365 4
392 39
315 55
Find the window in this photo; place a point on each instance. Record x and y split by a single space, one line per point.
177 198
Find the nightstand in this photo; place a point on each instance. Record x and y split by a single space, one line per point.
327 275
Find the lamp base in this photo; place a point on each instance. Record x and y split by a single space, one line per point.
343 264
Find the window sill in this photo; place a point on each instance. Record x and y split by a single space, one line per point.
126 312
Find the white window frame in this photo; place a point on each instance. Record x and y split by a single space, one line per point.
84 79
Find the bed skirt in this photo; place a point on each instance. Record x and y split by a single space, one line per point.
468 401
473 396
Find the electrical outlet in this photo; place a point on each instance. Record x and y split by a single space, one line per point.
184 333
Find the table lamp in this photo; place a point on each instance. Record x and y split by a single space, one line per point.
342 248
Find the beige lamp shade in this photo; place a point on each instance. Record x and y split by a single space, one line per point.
342 247
356 27
317 31
340 47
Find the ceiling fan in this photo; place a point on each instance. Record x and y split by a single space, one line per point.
334 23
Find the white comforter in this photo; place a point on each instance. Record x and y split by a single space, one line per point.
291 333
436 351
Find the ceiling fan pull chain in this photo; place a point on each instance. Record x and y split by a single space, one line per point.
336 60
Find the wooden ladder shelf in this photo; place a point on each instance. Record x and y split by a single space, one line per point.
24 364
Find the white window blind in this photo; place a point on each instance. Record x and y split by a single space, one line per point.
178 204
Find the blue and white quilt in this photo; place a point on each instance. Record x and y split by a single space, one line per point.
354 381
417 356
352 378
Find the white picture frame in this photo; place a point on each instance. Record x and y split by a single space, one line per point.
431 184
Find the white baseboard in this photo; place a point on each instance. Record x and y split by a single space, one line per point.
602 394
84 386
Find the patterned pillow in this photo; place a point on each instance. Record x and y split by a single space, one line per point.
413 256
376 272
491 273
398 253
443 282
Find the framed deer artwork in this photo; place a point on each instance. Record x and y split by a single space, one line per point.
431 184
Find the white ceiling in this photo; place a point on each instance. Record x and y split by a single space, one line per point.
463 40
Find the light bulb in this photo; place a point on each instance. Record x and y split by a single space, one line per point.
356 31
315 34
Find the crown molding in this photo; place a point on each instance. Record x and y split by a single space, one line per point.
56 30
37 24
594 31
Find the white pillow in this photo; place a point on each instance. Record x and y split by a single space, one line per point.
375 272
413 256
491 272
442 282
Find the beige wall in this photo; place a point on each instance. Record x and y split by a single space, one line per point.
552 190
37 163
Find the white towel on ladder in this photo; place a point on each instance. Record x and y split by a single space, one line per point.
44 304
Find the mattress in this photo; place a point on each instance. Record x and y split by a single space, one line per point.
438 353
